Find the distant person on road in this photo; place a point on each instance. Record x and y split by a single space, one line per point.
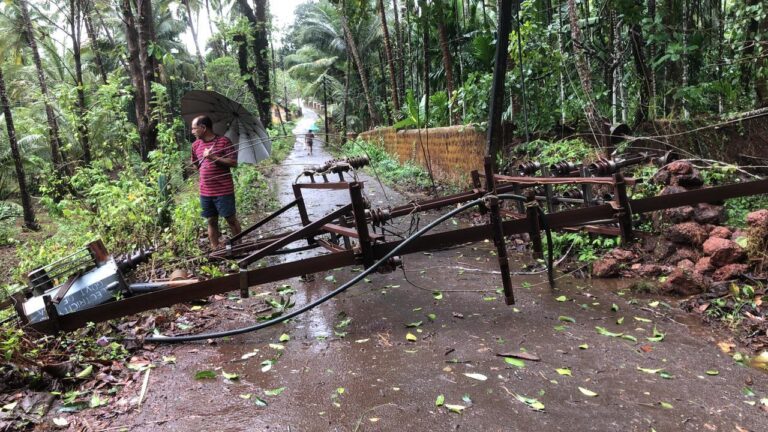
310 138
214 156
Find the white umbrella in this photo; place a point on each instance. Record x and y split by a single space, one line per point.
231 120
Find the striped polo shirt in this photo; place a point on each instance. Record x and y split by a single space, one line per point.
215 179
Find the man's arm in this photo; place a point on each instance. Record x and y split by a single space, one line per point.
229 157
194 159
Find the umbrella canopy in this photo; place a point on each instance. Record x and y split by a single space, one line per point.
231 120
313 128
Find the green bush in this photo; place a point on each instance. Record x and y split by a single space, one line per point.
386 166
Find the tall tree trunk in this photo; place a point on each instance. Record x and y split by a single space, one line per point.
346 100
388 118
425 56
257 17
242 62
651 74
413 64
360 67
757 71
390 59
643 71
593 117
719 27
26 201
82 123
684 59
274 89
561 49
141 69
191 25
57 155
216 45
88 21
445 49
400 51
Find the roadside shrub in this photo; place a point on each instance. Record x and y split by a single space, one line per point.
386 166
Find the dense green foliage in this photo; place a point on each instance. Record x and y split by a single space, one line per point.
386 167
671 59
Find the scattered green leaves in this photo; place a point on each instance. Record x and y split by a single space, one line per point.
514 362
205 374
274 392
476 376
532 403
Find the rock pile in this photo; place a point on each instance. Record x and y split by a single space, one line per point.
696 251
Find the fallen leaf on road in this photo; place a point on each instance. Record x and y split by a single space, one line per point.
455 408
531 402
521 355
514 362
476 376
587 392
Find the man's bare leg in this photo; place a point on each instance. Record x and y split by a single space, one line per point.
213 232
234 225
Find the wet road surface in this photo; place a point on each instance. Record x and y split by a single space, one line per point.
353 364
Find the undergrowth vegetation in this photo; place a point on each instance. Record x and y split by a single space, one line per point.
387 167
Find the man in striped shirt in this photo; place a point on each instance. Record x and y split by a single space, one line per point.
213 156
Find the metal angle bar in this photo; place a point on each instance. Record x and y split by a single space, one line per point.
330 185
435 203
716 193
553 180
262 222
296 235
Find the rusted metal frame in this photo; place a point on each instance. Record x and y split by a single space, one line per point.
169 297
302 210
17 300
340 185
530 181
330 246
65 287
511 214
244 247
548 194
262 222
427 242
98 252
713 194
596 229
624 213
501 250
305 232
435 203
534 230
340 230
477 185
361 224
52 313
347 231
499 238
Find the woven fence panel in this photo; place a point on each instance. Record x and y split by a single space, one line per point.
453 152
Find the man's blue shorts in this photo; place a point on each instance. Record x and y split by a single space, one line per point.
223 206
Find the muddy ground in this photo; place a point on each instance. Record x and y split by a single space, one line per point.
595 356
